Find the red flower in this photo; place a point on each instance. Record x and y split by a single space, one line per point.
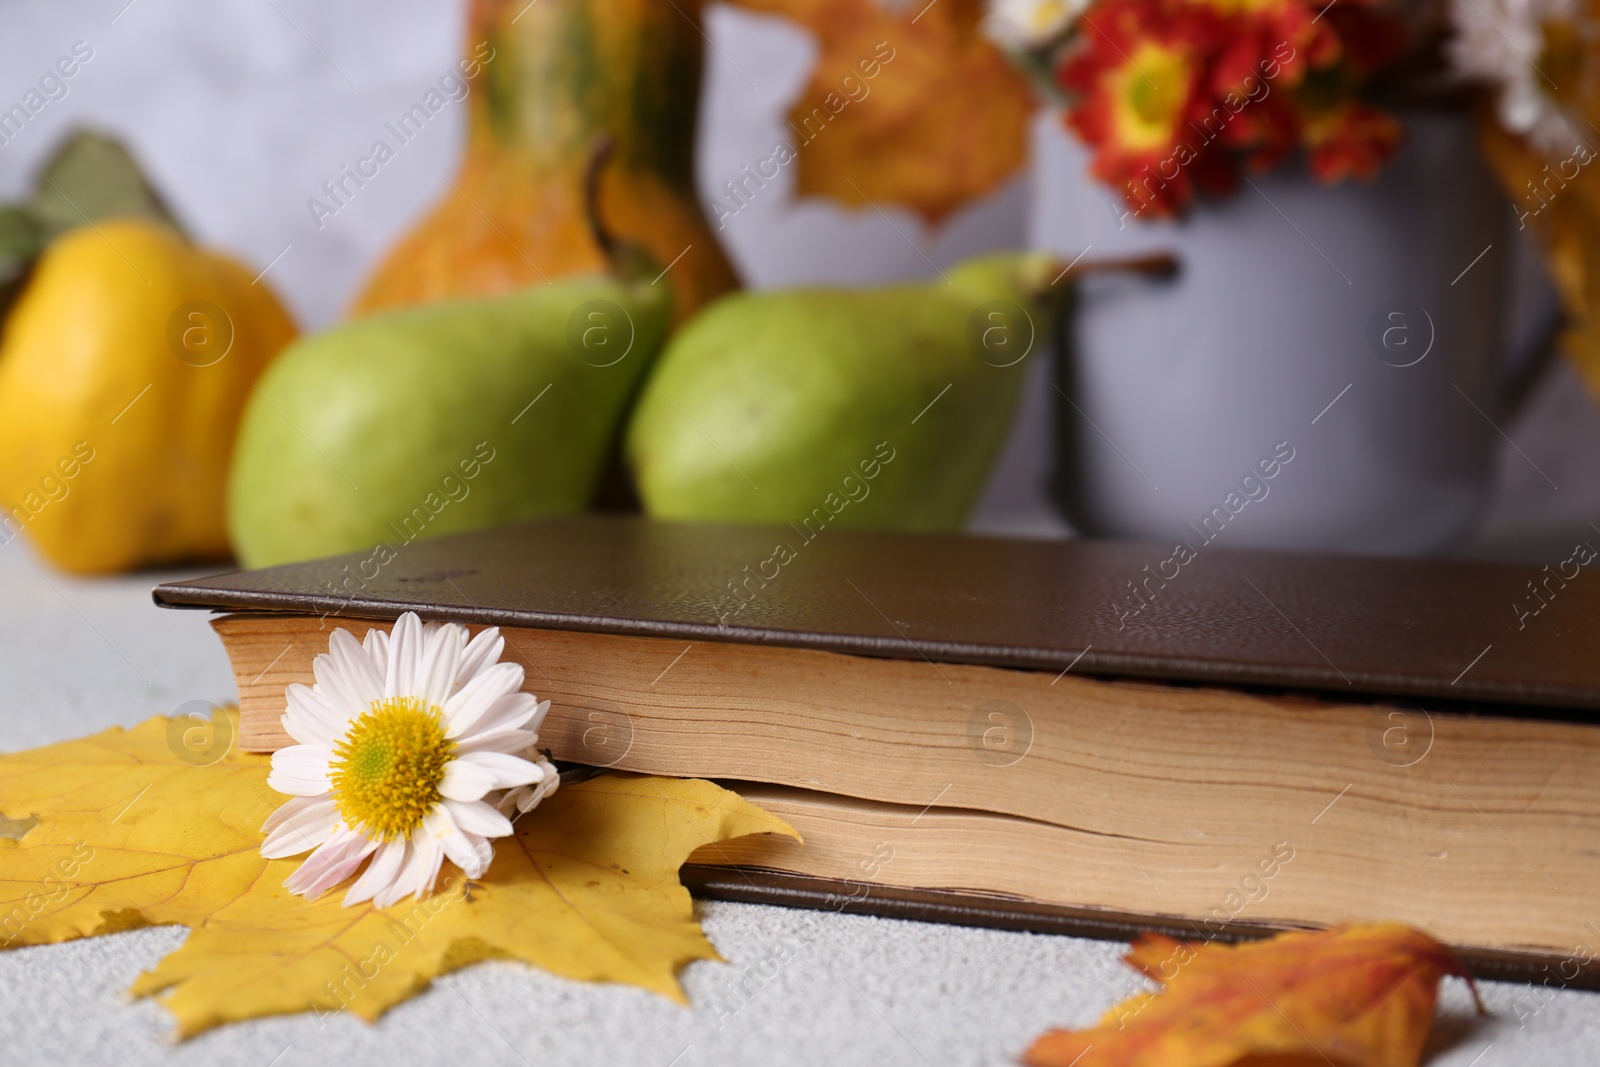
1259 36
1351 141
1176 96
1138 77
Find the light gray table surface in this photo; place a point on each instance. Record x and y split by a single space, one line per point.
79 656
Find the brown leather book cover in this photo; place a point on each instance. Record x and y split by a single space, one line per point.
1187 612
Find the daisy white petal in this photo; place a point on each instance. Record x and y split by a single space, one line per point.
477 697
484 855
470 852
298 808
350 862
293 839
303 761
380 873
335 688
537 722
299 787
376 644
513 741
299 826
429 629
508 770
437 675
514 710
309 718
526 798
405 652
479 818
465 781
307 731
434 857
300 770
330 864
421 870
481 651
361 679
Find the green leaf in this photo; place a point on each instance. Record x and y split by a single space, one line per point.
21 241
92 177
89 178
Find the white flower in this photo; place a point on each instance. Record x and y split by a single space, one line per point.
1029 23
405 744
1501 42
525 798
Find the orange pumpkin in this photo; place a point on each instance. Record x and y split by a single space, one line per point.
554 77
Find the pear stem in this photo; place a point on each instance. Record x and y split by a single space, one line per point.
599 155
1153 265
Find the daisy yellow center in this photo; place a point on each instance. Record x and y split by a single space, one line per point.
386 772
1148 96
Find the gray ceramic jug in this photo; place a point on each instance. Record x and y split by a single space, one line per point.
1330 370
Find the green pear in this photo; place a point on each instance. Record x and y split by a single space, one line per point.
439 418
877 407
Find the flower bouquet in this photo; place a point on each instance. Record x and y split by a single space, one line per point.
1176 98
1180 96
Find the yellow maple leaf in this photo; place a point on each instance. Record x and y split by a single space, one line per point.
126 833
911 106
1355 994
129 834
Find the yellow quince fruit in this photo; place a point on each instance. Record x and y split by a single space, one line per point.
123 370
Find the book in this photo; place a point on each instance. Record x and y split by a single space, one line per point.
1077 735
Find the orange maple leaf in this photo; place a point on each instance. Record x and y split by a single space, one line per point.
912 106
1353 995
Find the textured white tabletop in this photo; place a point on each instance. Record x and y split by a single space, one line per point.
78 656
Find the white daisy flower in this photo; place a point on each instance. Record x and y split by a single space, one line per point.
1029 23
525 798
406 743
1502 42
